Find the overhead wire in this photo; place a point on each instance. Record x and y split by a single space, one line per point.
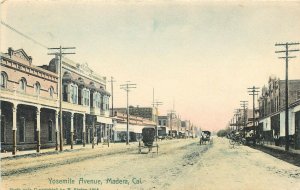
24 35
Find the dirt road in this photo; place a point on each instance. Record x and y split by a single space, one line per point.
180 164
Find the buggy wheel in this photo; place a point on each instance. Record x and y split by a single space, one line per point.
231 141
140 148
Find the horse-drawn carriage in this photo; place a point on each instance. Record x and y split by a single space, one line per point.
205 137
148 136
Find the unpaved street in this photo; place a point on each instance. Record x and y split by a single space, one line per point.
180 164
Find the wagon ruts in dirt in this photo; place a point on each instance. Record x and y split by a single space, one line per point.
148 137
205 137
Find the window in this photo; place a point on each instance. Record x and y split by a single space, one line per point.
65 92
3 125
22 85
298 94
51 91
97 100
86 97
22 130
50 126
105 103
74 94
159 122
3 80
34 130
37 88
165 123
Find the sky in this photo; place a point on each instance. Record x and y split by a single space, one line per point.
198 56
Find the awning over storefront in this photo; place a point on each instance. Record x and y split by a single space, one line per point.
131 128
266 124
105 120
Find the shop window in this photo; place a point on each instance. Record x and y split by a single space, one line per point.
34 130
50 130
3 125
22 130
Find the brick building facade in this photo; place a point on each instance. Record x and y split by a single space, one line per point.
272 112
30 103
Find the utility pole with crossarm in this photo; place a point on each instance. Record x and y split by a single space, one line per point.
287 57
127 86
253 91
60 53
156 104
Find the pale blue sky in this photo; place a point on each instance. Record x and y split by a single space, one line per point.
203 55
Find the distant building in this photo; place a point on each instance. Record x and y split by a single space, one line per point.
135 126
144 112
164 126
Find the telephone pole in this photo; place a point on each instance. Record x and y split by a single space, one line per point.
112 95
171 112
127 86
112 107
155 105
60 53
286 57
237 114
244 105
253 91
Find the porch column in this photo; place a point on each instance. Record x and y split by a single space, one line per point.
38 127
83 130
72 129
88 136
56 129
94 128
14 128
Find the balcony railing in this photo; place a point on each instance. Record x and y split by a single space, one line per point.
95 111
67 106
18 96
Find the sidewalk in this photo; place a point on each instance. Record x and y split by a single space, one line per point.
66 148
282 149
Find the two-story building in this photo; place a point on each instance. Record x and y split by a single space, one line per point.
272 110
30 103
85 102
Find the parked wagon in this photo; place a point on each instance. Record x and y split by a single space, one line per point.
205 137
148 137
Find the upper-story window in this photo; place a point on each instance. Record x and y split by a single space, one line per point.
85 97
37 88
51 91
73 93
97 100
3 80
22 85
105 103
